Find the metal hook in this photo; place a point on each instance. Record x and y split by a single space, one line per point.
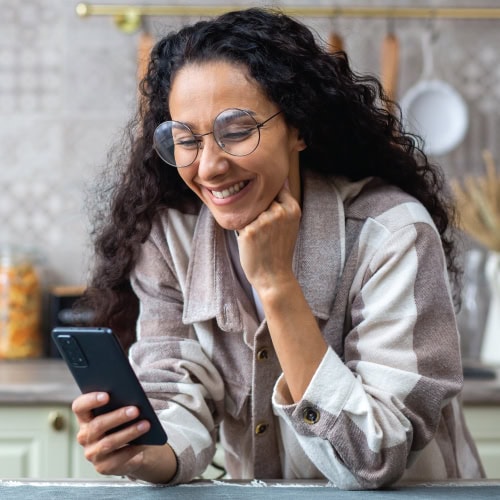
334 19
130 21
431 26
391 24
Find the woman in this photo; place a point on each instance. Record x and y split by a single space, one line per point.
286 247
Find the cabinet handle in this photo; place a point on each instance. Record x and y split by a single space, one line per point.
57 421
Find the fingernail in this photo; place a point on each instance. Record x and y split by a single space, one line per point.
142 426
130 412
101 396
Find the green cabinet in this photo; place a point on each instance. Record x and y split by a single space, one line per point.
484 425
39 442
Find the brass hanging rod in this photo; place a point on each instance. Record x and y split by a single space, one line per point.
86 9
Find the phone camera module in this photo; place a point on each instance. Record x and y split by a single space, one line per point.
73 352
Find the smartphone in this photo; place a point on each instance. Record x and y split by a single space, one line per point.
98 363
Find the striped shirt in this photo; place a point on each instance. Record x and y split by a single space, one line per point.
383 405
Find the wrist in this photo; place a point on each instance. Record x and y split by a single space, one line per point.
159 465
279 293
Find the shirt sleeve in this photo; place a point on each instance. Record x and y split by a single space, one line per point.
363 418
180 380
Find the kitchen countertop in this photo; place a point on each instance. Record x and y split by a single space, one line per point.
482 391
49 381
36 381
241 490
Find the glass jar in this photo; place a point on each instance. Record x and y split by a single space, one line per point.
20 306
475 299
490 349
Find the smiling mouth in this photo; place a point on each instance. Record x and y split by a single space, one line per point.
230 191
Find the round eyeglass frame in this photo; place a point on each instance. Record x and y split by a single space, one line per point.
199 143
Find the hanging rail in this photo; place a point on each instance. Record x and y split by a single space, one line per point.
86 9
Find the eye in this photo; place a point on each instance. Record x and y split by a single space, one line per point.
184 140
236 132
187 143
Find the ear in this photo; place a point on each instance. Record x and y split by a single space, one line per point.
300 144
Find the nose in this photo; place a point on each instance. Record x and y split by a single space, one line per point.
212 160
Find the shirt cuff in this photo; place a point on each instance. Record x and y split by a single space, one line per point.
327 393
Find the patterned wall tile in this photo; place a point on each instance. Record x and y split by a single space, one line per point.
67 88
29 144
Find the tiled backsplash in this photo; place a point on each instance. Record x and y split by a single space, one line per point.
68 85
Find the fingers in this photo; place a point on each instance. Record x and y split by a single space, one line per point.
111 454
123 462
283 210
285 196
105 437
83 405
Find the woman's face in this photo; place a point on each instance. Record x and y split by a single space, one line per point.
235 189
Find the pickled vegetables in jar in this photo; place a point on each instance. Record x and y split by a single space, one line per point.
20 306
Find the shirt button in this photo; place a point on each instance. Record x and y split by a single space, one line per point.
263 354
310 415
261 428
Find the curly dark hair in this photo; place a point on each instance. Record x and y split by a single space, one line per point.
339 114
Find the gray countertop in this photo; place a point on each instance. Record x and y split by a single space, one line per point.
48 381
231 490
479 391
36 381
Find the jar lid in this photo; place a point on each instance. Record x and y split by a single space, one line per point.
11 254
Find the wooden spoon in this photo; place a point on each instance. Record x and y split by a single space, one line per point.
335 43
390 65
144 46
492 182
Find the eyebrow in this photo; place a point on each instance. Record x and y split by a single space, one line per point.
192 126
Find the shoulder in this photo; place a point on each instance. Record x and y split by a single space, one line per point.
170 237
174 225
387 205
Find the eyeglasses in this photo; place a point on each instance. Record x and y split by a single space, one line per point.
235 131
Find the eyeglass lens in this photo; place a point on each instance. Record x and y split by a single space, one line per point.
235 130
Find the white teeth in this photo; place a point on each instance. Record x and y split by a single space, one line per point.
229 191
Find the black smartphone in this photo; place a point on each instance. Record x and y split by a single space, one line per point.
98 363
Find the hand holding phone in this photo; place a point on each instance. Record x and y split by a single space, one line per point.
99 364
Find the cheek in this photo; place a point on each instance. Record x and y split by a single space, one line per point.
272 182
186 175
278 164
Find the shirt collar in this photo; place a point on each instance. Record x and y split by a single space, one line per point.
318 262
320 250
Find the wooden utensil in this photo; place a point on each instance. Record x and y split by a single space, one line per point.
491 182
144 46
390 65
335 43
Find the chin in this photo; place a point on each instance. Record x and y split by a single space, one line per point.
231 224
231 227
